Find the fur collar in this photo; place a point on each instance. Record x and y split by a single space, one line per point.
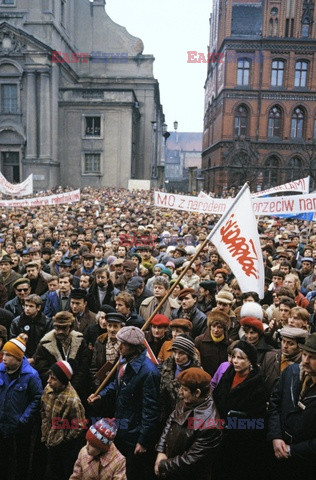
49 342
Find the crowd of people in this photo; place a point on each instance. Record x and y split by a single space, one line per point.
211 382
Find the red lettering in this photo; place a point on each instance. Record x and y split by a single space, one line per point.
74 423
65 424
191 57
55 423
56 57
84 57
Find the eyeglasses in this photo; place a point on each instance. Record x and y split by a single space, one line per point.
22 289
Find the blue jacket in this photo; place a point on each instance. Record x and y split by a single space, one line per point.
19 398
53 304
136 402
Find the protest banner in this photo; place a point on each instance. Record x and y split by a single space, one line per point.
16 189
58 199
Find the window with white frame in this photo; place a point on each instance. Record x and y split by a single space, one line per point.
277 73
92 126
301 74
92 163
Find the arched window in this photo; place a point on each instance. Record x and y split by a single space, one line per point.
294 169
275 121
241 120
301 74
271 172
277 73
297 123
243 71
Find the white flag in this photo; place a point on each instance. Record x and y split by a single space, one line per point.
236 238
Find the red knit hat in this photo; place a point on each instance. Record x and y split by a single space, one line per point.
160 320
252 322
63 371
102 433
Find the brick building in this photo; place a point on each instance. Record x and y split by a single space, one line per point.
260 94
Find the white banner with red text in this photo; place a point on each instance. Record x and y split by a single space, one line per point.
274 206
16 189
58 199
237 241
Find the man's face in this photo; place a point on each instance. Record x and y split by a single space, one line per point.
188 302
52 285
54 383
120 307
64 285
309 363
224 307
88 263
30 309
128 273
277 281
62 332
5 268
158 331
84 282
112 329
126 350
22 291
98 252
121 252
213 258
11 363
285 269
10 249
32 273
64 246
102 279
297 322
100 237
289 346
159 291
284 312
307 267
78 305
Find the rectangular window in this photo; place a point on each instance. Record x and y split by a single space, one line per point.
92 163
8 2
243 72
300 74
92 126
277 73
9 98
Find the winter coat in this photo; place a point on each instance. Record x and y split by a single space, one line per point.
212 353
169 386
270 370
9 281
243 451
156 345
83 322
134 320
110 465
39 286
262 348
14 306
148 305
197 318
136 397
50 351
189 440
294 423
99 359
94 304
19 398
35 328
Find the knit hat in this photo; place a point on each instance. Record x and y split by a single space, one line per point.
209 285
166 271
217 316
16 347
160 320
102 433
251 309
64 318
181 323
131 335
63 371
252 322
183 343
248 350
194 378
225 296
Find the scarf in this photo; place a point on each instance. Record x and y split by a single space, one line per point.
111 351
287 360
217 339
180 368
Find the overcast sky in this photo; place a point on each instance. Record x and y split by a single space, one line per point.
169 29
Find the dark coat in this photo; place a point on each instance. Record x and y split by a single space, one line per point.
19 398
93 297
39 286
99 359
8 283
86 320
197 318
146 293
262 348
270 370
136 402
6 318
35 328
285 415
243 450
50 351
212 354
14 306
190 446
134 320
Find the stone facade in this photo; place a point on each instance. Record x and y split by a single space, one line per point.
82 116
260 92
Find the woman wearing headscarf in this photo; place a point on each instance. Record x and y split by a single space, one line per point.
240 400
